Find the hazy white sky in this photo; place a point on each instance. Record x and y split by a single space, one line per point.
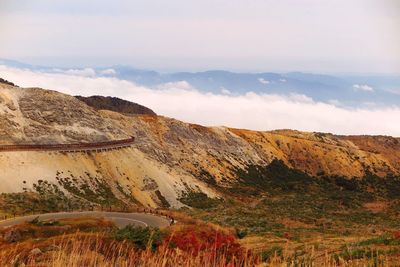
250 35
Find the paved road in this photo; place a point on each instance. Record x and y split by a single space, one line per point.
119 218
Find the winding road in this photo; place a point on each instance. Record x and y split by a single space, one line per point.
119 218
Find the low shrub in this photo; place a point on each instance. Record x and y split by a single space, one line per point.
381 240
275 251
199 200
38 222
207 241
141 237
240 233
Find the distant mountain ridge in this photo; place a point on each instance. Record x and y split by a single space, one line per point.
344 90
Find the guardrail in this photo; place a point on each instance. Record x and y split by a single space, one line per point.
74 147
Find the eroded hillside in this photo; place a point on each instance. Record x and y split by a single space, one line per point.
217 152
169 157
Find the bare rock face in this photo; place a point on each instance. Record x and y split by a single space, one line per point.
32 115
212 154
149 184
12 236
386 147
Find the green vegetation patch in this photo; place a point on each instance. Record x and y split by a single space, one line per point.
141 237
199 200
287 202
70 193
275 251
275 177
380 240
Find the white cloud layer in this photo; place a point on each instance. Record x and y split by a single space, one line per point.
263 81
251 110
108 72
225 91
86 72
363 87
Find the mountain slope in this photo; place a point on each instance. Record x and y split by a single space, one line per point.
219 150
169 158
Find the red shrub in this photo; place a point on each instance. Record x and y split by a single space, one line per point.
396 234
286 235
207 242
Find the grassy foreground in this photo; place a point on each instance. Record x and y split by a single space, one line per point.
94 242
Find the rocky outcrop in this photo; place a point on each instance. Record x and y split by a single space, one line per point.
116 104
6 82
32 115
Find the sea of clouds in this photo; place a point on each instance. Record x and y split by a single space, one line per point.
250 110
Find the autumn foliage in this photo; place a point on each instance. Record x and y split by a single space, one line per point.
93 243
206 241
396 235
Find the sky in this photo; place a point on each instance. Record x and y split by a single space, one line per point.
319 36
325 36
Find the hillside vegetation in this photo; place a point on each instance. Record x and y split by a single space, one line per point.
116 104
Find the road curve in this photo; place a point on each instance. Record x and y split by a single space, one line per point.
119 218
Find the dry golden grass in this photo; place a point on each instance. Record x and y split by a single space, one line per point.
76 248
96 249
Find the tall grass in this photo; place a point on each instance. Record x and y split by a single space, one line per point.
89 242
94 249
80 249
